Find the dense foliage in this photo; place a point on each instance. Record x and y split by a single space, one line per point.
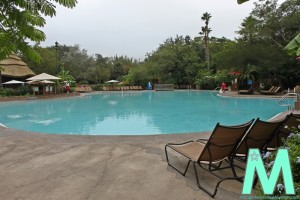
257 54
20 91
292 143
19 23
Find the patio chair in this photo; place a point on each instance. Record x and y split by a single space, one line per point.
274 91
258 136
292 121
209 154
269 90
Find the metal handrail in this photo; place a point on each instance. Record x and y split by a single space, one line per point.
289 94
215 90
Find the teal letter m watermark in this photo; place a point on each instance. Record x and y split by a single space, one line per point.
281 163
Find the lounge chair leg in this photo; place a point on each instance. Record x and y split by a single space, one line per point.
202 188
182 173
166 154
232 168
218 183
186 168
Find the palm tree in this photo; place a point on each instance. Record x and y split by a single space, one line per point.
205 31
248 29
66 76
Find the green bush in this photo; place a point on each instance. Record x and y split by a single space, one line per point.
84 82
292 143
97 87
209 80
20 91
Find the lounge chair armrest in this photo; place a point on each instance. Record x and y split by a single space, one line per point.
201 140
172 144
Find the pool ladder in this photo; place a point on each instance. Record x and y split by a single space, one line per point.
215 90
289 96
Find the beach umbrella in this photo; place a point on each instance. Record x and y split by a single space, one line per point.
43 76
43 79
40 82
13 82
46 82
113 81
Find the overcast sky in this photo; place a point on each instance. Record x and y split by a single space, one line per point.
137 27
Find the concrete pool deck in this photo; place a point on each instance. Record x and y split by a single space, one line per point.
37 166
41 166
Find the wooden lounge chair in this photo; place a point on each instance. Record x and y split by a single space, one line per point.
269 90
209 154
258 136
292 121
249 91
274 91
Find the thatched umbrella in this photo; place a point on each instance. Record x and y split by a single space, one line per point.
14 67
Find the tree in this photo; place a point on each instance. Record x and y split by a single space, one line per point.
48 63
205 32
249 29
19 23
66 76
276 24
176 61
264 33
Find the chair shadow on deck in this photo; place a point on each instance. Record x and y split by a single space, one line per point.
230 144
209 154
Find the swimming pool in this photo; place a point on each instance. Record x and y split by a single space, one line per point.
134 113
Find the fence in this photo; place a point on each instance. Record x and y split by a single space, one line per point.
164 87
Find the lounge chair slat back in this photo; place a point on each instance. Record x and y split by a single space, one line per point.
292 121
272 88
223 141
209 154
276 90
258 136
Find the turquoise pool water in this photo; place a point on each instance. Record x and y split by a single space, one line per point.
134 113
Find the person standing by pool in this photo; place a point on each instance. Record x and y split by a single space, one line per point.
67 87
149 86
223 86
